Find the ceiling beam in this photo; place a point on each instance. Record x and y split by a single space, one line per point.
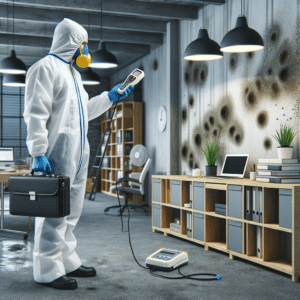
34 28
83 18
115 7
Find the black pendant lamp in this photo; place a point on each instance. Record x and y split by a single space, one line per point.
242 38
11 64
89 77
14 80
203 48
103 59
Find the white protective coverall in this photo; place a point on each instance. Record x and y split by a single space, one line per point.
57 111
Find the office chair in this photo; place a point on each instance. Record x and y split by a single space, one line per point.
127 191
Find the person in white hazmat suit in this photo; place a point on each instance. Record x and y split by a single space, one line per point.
57 111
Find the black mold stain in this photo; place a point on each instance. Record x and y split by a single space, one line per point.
246 90
184 114
225 112
191 164
198 139
233 61
211 120
283 57
238 138
274 37
262 119
270 71
155 64
284 74
196 74
250 55
267 143
191 155
187 77
275 89
191 101
203 76
231 130
251 98
258 84
206 127
215 132
184 151
274 34
196 166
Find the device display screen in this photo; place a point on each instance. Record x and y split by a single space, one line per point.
167 253
136 73
234 165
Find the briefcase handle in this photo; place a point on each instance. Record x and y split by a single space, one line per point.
48 172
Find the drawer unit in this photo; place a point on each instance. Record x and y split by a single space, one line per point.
156 190
198 196
235 236
198 220
156 215
285 208
235 201
175 192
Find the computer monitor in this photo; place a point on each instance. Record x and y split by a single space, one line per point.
6 156
235 165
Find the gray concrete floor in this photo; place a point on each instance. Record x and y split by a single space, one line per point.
103 245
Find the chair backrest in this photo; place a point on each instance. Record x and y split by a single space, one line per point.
144 173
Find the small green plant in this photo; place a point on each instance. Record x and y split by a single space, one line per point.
285 136
211 152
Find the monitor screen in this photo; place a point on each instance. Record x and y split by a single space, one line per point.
235 165
6 154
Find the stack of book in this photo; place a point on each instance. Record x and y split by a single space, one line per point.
278 170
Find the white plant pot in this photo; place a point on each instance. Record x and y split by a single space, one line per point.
285 152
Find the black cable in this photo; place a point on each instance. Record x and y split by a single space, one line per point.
190 276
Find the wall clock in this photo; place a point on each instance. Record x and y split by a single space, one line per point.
161 119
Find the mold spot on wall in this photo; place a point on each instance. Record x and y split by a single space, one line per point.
196 74
258 84
206 126
275 89
198 140
262 119
250 55
184 114
274 34
191 101
155 65
232 130
246 91
187 77
184 151
233 61
225 112
191 155
203 75
270 71
215 132
283 57
251 98
284 74
267 143
211 120
196 166
238 138
191 163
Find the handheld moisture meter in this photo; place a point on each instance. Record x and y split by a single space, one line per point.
167 260
135 77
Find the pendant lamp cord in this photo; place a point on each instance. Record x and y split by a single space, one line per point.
241 7
13 24
7 24
89 23
101 20
203 12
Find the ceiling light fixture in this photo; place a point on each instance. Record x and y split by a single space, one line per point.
203 48
103 59
14 80
242 38
11 64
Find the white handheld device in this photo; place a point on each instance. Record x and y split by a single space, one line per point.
167 260
135 77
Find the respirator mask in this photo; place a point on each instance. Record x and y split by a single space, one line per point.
82 57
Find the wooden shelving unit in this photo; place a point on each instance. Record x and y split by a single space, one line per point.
279 243
128 118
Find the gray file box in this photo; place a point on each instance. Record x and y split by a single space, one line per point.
198 226
175 192
235 236
285 208
156 215
235 201
156 190
199 196
189 224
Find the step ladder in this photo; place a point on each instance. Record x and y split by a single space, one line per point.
95 171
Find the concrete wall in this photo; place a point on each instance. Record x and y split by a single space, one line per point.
241 99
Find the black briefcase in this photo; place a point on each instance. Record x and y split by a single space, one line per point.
39 195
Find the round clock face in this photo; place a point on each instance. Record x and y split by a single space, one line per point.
161 119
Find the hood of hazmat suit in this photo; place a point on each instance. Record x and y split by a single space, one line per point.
57 111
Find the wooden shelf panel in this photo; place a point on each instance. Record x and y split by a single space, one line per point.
217 245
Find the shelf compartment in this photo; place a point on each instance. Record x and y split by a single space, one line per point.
185 192
167 216
128 123
254 241
215 230
277 247
212 197
270 206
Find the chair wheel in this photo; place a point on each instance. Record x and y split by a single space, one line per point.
25 236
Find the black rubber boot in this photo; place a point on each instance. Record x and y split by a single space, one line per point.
62 283
83 272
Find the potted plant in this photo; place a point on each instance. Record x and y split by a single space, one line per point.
285 137
211 152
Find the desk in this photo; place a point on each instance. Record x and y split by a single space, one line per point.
4 176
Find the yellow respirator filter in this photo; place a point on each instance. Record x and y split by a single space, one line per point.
83 61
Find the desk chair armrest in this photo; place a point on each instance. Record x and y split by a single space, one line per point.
128 179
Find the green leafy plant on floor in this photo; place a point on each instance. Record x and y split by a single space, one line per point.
211 152
285 135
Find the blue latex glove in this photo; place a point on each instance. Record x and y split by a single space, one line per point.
40 164
115 96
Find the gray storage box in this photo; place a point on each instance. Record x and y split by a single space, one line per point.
156 190
285 208
198 226
156 215
199 196
235 201
235 236
175 192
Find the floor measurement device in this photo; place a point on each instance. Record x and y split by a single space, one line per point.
167 260
133 78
